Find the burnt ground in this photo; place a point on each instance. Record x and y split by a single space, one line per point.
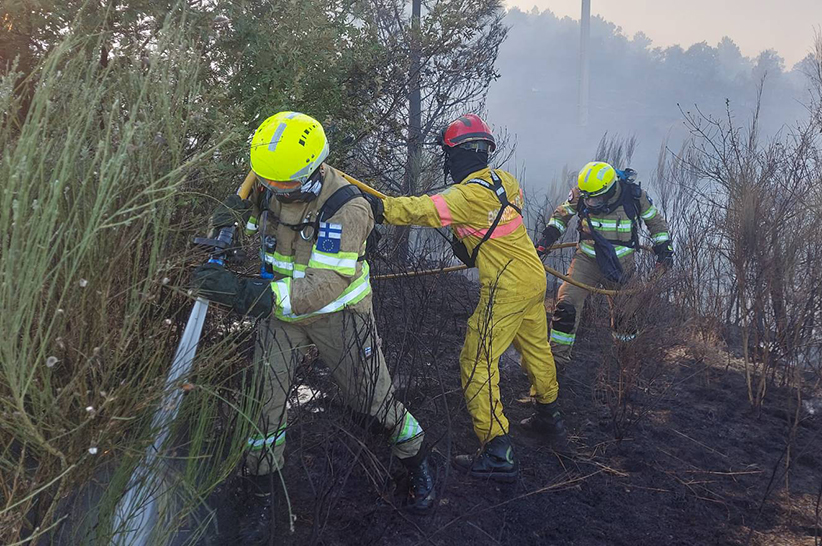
698 467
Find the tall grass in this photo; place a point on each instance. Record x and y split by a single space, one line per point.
91 250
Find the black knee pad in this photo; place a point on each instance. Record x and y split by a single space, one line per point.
565 315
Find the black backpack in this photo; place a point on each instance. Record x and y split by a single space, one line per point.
459 248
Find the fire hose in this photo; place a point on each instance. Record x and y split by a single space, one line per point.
137 513
604 291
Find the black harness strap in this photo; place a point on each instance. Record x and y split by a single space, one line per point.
337 200
499 191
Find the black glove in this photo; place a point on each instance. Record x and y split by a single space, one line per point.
230 210
549 236
246 296
377 207
664 254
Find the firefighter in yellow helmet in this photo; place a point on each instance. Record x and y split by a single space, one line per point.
319 294
610 206
483 208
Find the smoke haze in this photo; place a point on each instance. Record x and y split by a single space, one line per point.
636 88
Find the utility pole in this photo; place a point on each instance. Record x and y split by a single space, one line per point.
414 158
584 76
414 101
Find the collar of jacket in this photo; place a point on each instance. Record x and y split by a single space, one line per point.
485 174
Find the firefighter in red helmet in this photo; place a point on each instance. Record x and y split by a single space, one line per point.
484 210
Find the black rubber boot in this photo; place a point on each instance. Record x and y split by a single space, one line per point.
496 461
547 420
421 495
255 524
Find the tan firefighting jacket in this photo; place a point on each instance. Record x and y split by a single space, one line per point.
319 268
507 261
616 226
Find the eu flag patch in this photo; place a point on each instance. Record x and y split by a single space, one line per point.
328 239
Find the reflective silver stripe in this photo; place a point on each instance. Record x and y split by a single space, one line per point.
356 291
559 224
275 138
569 208
355 294
287 266
281 290
281 263
257 442
661 237
650 213
623 337
348 264
588 174
621 251
562 338
251 225
409 430
604 224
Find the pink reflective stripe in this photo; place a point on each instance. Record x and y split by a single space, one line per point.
442 209
501 230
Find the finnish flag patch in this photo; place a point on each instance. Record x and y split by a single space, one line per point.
328 238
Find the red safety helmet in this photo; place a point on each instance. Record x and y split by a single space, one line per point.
468 128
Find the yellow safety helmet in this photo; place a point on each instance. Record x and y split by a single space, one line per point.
286 150
596 178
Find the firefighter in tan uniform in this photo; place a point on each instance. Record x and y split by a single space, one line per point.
610 206
320 295
484 210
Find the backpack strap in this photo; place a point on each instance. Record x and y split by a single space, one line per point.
631 193
339 198
334 203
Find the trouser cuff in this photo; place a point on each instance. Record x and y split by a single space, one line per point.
261 485
415 460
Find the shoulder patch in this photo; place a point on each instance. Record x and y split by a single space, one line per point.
570 195
328 238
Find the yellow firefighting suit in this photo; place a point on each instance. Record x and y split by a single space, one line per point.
512 292
615 226
322 298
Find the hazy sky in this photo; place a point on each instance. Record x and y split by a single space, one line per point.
785 25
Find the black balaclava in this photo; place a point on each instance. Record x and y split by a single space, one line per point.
460 162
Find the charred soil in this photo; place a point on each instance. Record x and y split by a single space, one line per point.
699 466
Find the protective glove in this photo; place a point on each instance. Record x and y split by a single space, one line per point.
377 207
549 236
246 296
230 210
664 255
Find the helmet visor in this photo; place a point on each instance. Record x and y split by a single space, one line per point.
596 201
278 186
599 198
